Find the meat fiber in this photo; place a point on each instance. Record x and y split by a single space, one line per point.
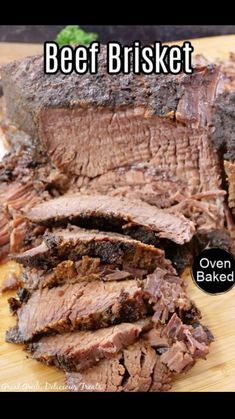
96 304
137 368
80 350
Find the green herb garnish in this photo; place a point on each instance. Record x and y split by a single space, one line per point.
74 35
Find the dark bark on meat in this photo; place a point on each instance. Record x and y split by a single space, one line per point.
111 248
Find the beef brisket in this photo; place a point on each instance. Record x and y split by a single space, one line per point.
94 304
155 122
80 350
26 178
223 133
85 306
188 343
86 269
137 368
110 108
74 242
116 214
150 363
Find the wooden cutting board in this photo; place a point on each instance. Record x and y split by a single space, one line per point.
17 373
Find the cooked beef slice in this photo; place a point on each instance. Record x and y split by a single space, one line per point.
161 121
80 350
137 368
95 304
149 364
74 242
85 306
86 269
113 213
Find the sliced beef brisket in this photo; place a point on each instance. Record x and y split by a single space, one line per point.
86 269
85 306
80 350
95 304
118 214
26 178
74 242
150 363
137 368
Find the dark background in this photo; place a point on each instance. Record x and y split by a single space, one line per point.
123 34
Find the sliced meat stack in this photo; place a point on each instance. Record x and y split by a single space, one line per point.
158 139
106 308
145 165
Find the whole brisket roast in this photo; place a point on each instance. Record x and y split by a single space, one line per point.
129 130
223 134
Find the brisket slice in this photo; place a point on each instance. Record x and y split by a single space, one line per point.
85 306
95 304
80 350
113 213
149 364
137 368
111 248
86 269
